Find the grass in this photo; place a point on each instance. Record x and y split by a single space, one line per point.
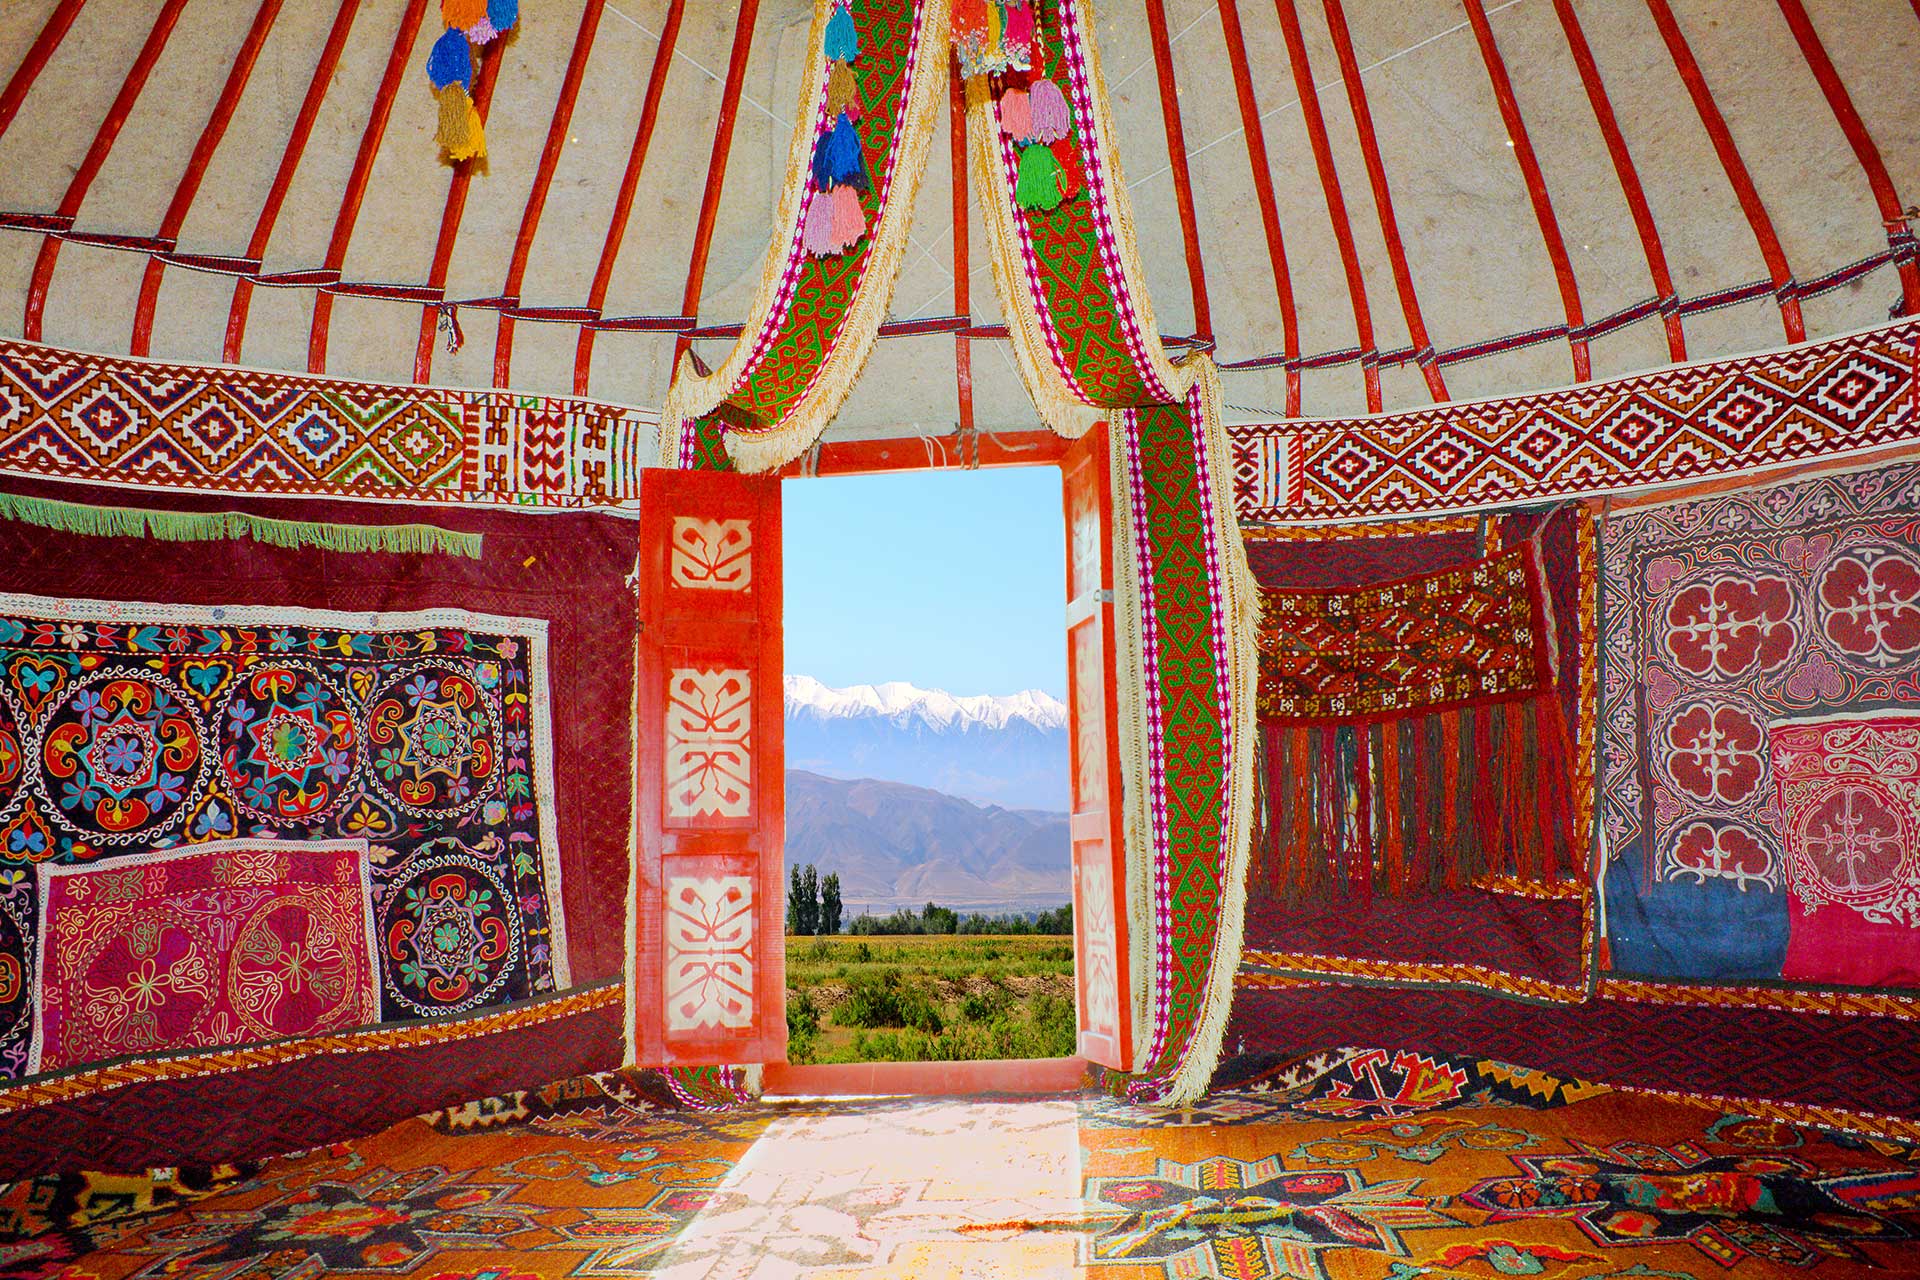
929 998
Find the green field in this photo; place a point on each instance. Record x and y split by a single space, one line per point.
929 998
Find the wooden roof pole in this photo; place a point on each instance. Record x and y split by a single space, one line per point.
103 140
629 184
1177 161
962 256
451 214
1263 192
52 32
717 167
542 183
1536 182
189 185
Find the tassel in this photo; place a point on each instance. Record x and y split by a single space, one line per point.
1016 35
816 231
1016 115
845 165
849 217
1393 848
1072 177
1486 823
1450 795
992 50
482 32
1300 777
460 135
462 14
1048 109
450 61
843 91
842 42
1327 825
1039 183
1523 820
503 14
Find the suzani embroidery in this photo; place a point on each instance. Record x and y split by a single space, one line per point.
203 947
131 728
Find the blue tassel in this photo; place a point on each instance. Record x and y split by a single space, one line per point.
822 162
503 14
843 42
451 61
846 166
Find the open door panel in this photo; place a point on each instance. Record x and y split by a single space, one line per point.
706 966
1105 1009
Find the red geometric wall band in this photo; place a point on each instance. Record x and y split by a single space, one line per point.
1685 423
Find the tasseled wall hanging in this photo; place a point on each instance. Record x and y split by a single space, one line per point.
450 67
836 218
1413 732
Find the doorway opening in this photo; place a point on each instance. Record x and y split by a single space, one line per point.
929 848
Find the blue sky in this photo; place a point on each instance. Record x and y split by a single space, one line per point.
950 580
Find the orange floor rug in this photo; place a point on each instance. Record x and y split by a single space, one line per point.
1361 1165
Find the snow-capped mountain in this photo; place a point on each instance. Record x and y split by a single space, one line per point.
1010 751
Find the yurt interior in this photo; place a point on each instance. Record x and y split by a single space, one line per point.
1478 461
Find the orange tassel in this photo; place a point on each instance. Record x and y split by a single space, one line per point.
462 13
460 135
842 90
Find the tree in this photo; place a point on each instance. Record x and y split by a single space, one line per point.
793 900
830 903
809 899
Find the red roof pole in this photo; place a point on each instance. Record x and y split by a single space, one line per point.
1177 161
1899 238
283 176
51 34
1336 202
356 189
103 141
1263 190
717 167
1784 288
629 183
962 255
1423 352
452 212
542 182
1536 186
1629 176
216 128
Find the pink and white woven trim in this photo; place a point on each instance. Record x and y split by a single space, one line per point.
1156 743
1073 45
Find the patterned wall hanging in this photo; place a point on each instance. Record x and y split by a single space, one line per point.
1387 706
255 793
1728 622
1821 400
876 72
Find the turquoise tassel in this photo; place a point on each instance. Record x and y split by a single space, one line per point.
843 42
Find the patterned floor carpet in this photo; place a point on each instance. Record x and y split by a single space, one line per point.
1362 1165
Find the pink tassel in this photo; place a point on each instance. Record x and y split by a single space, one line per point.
816 232
849 218
482 32
1047 112
1016 115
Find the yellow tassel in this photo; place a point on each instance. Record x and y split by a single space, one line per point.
462 13
460 136
841 89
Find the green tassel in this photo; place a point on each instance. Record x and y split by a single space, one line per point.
214 526
1039 184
